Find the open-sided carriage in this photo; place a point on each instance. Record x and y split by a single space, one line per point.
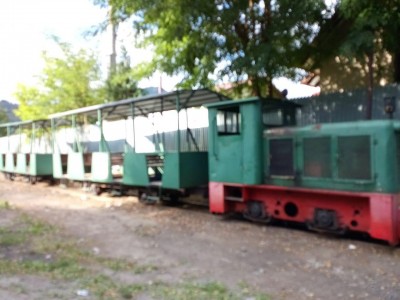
155 144
26 150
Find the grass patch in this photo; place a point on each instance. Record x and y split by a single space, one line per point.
210 290
22 230
4 204
37 248
123 265
9 238
189 291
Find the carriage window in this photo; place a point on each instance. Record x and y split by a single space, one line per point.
281 157
273 118
317 157
228 121
354 157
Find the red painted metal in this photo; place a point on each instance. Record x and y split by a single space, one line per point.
372 213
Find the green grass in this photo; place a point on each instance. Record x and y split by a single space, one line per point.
4 204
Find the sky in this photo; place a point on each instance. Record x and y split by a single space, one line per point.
25 28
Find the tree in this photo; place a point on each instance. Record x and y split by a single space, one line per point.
67 82
247 42
3 119
374 31
121 83
3 116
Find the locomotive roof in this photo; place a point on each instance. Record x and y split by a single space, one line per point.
269 103
148 104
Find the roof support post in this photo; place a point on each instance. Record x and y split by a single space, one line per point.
53 135
178 136
8 137
75 142
33 133
20 139
133 126
102 144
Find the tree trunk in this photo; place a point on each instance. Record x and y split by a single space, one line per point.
270 87
113 55
255 86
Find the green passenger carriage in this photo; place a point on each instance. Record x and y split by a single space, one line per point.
174 161
26 150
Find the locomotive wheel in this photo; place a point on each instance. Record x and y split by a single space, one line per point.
255 212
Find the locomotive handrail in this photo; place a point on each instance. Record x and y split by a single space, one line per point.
215 146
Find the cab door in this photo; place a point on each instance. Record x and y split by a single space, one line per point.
235 142
226 145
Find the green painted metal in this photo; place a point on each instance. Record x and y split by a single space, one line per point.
101 161
135 169
2 161
57 166
101 167
75 166
22 166
235 157
185 170
172 172
381 156
193 169
10 162
76 146
40 164
178 136
132 106
180 170
362 156
53 135
103 145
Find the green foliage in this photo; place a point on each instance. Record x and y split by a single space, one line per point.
371 16
4 204
3 119
67 82
122 83
375 27
245 41
3 116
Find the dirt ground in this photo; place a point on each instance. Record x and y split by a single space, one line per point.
187 244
